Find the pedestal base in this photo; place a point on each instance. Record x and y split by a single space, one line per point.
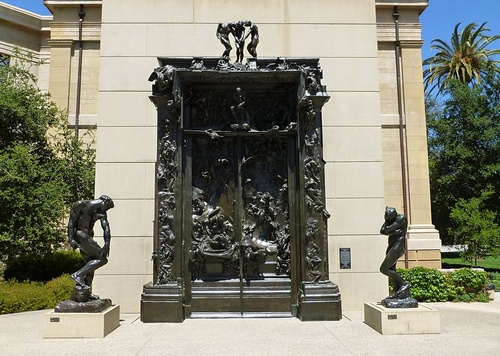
92 306
82 325
162 304
391 321
320 301
395 303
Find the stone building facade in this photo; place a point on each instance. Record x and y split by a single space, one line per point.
375 144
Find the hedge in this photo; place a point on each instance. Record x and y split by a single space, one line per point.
431 285
17 297
43 268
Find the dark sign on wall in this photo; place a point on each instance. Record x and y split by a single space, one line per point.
345 258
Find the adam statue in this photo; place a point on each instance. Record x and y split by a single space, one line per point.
83 215
395 226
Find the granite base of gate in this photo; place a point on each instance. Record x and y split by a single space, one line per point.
265 297
320 301
162 304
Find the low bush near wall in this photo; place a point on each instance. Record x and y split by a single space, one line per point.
431 285
59 289
16 297
468 281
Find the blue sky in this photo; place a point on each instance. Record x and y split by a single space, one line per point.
35 6
438 19
441 16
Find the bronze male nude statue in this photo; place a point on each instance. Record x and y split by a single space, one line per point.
83 215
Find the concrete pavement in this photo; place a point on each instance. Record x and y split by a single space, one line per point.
466 329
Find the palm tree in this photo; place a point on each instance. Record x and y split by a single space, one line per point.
466 58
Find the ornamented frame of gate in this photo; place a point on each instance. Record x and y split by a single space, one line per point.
207 101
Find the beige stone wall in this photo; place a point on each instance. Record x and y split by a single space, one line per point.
342 33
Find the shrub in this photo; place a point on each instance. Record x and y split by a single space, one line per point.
429 285
465 297
494 278
468 280
43 268
60 289
482 297
17 297
20 297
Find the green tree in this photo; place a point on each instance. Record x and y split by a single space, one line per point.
474 226
43 168
464 153
466 58
78 156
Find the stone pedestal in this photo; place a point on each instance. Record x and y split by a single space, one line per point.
320 301
82 325
162 304
390 321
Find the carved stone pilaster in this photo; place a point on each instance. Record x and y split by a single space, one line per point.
167 173
319 298
314 210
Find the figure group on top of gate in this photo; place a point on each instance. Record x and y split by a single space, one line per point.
238 30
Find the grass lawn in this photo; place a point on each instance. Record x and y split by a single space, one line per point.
490 264
453 260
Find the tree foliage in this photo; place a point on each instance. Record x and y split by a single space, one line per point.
464 162
43 167
466 57
476 226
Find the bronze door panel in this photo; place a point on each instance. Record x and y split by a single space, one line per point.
240 237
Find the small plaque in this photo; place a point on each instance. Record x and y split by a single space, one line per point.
345 258
55 320
392 316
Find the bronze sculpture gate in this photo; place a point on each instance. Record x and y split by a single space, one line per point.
237 168
240 239
241 218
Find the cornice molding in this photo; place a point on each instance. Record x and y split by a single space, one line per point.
60 42
91 31
52 4
22 18
420 5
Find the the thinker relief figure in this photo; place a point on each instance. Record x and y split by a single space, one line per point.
83 215
238 31
395 226
239 112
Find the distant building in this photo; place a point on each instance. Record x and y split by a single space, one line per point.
371 126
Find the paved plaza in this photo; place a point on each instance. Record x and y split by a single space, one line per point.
466 329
